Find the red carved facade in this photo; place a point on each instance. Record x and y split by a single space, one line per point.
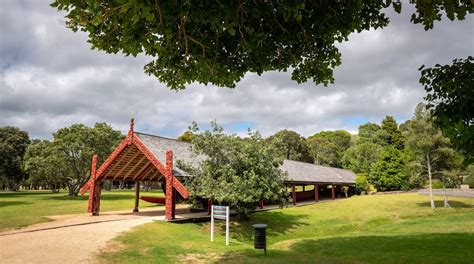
133 160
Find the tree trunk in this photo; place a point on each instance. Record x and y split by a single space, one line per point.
446 204
430 182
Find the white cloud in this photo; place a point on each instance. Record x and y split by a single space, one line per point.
49 78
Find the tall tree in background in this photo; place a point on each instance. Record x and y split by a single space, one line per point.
13 144
327 147
364 153
46 165
367 131
236 172
77 144
450 95
361 157
388 172
429 144
290 145
393 136
211 42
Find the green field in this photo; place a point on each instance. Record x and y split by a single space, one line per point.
19 209
365 229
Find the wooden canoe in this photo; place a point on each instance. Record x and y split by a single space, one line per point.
151 199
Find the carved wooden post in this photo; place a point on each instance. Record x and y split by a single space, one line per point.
137 195
260 204
170 197
316 192
333 191
294 194
94 190
96 201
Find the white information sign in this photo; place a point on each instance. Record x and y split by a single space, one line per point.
220 212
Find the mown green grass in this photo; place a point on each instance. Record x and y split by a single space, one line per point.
366 229
19 209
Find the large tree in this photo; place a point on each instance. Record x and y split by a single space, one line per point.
450 93
327 147
218 43
390 133
389 171
77 144
13 144
367 131
236 172
360 157
46 165
290 145
433 155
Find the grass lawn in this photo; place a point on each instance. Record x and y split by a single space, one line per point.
366 229
19 209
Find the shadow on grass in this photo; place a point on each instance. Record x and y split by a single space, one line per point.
420 248
10 203
278 223
453 204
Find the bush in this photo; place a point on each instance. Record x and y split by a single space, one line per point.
361 182
437 184
470 181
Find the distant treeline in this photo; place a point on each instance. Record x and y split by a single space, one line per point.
386 156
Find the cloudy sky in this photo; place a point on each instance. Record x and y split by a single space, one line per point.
50 78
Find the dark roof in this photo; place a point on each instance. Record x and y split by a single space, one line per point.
299 172
181 151
303 172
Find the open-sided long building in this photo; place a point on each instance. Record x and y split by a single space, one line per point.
143 157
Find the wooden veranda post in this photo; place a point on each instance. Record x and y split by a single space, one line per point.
294 193
333 191
316 192
137 196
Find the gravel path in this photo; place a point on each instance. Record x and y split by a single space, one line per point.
70 239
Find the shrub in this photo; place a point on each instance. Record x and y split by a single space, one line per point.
437 184
470 181
361 182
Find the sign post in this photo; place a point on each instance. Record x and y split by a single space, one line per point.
220 212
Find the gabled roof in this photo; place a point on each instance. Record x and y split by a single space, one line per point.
181 151
299 172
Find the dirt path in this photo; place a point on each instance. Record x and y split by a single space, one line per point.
70 239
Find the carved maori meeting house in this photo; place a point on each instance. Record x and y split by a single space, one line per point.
138 159
142 157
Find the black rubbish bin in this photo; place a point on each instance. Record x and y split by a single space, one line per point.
260 237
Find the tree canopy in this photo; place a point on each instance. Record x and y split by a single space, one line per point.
433 156
211 42
46 166
450 94
393 135
13 144
327 147
388 172
238 172
290 145
66 160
